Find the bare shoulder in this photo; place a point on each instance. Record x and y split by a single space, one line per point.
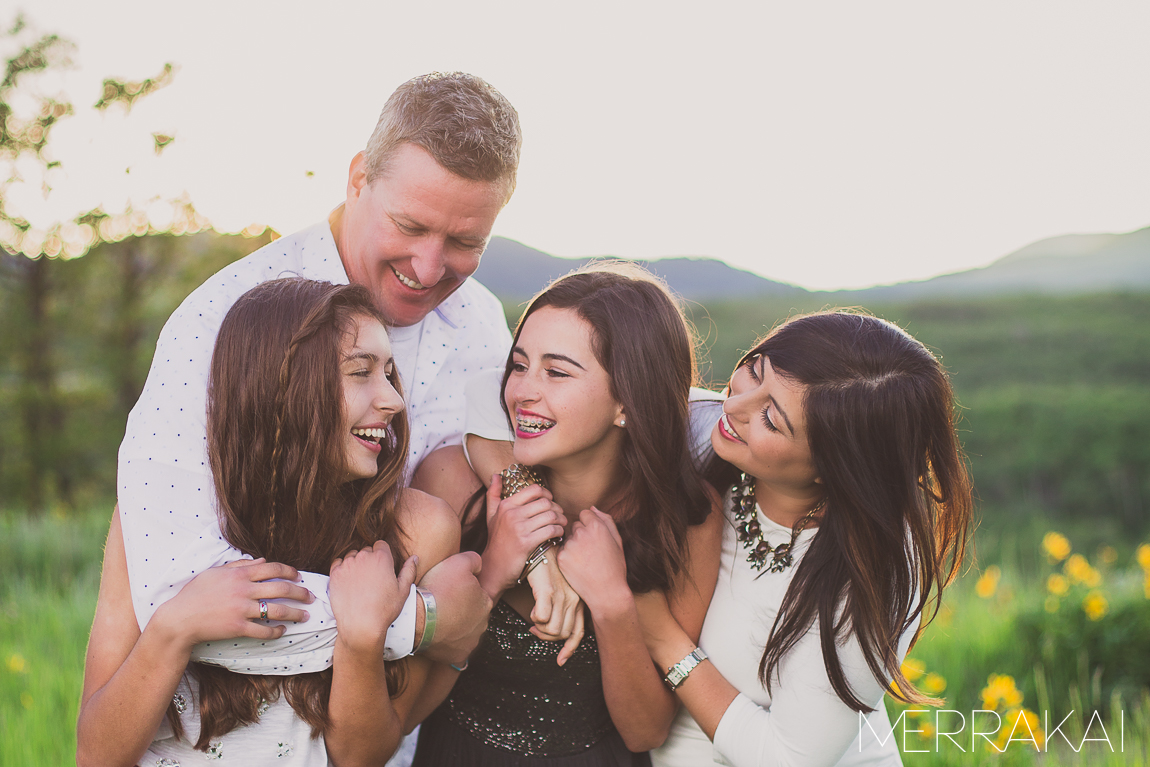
430 526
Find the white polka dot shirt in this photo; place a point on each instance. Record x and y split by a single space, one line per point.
165 490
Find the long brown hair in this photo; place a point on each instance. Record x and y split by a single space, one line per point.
275 447
641 338
880 417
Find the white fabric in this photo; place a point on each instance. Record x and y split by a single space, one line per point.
279 737
486 419
165 490
805 722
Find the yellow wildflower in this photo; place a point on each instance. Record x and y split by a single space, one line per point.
1000 689
1108 554
1057 546
1057 585
988 582
1080 571
933 684
912 669
1143 556
1095 605
1052 604
926 730
17 664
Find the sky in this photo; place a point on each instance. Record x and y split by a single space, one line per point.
826 144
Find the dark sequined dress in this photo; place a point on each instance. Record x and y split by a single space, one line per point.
515 707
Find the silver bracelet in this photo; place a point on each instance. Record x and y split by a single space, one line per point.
677 674
429 618
538 557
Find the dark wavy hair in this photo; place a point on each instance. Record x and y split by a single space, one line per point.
643 341
275 447
880 417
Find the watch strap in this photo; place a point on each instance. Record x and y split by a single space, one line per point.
677 674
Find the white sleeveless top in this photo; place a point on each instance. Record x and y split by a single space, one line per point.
804 721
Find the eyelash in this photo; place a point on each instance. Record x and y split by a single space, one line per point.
521 367
750 364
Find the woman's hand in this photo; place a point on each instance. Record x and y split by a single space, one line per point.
558 611
224 602
367 596
592 561
515 528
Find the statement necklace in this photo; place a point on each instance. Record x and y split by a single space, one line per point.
750 532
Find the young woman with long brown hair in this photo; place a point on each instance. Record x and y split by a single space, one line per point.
848 505
596 389
306 443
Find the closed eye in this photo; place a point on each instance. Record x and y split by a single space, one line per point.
767 419
751 364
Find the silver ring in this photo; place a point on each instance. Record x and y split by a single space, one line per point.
263 610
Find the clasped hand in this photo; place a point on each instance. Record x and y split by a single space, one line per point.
367 595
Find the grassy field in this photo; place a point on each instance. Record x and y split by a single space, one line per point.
1051 644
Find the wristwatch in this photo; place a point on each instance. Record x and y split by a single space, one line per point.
678 673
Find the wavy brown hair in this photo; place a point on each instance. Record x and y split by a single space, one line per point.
643 341
880 417
275 447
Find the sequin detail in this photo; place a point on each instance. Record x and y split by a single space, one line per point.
285 749
167 763
263 708
181 703
515 697
215 750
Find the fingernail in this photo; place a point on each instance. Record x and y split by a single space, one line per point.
306 616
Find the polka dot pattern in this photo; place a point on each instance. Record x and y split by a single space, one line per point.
165 491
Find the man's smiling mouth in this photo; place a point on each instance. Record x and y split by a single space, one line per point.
413 284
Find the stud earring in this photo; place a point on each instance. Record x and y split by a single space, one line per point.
622 422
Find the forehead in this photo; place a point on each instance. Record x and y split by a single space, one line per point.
552 330
366 335
414 185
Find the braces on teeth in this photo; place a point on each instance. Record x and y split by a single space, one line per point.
533 426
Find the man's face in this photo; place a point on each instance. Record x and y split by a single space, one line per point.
414 234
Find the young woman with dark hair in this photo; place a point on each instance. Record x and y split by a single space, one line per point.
596 389
306 443
848 505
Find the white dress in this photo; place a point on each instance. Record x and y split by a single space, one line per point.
279 737
804 722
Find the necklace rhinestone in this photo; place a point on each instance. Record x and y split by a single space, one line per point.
750 532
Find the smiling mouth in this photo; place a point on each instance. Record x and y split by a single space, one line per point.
413 284
728 430
529 425
374 436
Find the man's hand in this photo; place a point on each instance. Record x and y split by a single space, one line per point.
462 606
558 611
224 602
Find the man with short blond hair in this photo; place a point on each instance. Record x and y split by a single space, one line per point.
420 205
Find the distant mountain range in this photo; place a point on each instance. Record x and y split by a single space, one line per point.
1072 263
